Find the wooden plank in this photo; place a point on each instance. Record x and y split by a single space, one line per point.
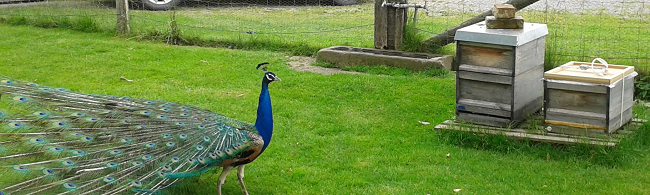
576 100
504 47
483 119
523 134
528 87
483 69
615 122
571 72
573 87
581 119
528 109
492 78
530 56
484 91
485 104
487 56
390 28
399 23
533 125
576 125
489 108
615 103
381 24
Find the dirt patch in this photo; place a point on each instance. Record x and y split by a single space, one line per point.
301 63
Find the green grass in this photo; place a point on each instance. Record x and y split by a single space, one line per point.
338 134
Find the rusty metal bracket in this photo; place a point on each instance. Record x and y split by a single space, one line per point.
406 6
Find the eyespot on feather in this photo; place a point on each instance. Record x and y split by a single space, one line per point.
69 186
19 99
146 157
40 115
55 149
136 184
19 168
67 163
36 141
15 125
47 172
78 152
108 179
77 114
114 152
126 140
111 165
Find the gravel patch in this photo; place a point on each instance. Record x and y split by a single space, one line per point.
617 7
303 64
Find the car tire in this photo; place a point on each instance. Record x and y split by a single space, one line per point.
345 2
160 4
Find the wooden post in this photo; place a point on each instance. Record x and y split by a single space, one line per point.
122 7
380 25
389 25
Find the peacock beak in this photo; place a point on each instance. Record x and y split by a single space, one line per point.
276 78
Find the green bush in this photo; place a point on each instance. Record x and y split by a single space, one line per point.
642 88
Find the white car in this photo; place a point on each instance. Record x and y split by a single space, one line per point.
169 4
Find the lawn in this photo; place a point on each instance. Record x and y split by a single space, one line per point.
338 134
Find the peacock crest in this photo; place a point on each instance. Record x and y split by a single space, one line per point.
55 141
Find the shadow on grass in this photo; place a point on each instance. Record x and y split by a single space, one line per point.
626 152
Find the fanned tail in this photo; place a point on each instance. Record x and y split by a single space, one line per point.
54 141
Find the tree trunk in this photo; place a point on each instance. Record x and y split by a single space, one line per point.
447 37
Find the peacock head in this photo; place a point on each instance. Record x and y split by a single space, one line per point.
268 76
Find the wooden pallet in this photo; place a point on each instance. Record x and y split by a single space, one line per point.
540 134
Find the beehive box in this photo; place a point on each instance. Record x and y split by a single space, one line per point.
582 101
499 73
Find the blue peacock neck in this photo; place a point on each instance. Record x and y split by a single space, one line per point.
264 122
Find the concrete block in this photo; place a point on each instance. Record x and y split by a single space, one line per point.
343 56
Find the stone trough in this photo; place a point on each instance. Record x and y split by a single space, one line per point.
343 56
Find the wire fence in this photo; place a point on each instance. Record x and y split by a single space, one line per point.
579 30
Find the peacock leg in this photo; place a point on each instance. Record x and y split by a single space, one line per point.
222 177
240 176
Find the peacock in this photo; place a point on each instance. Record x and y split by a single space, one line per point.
55 141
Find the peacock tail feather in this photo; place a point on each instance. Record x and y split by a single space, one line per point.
55 141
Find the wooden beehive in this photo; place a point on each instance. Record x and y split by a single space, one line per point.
582 101
499 73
